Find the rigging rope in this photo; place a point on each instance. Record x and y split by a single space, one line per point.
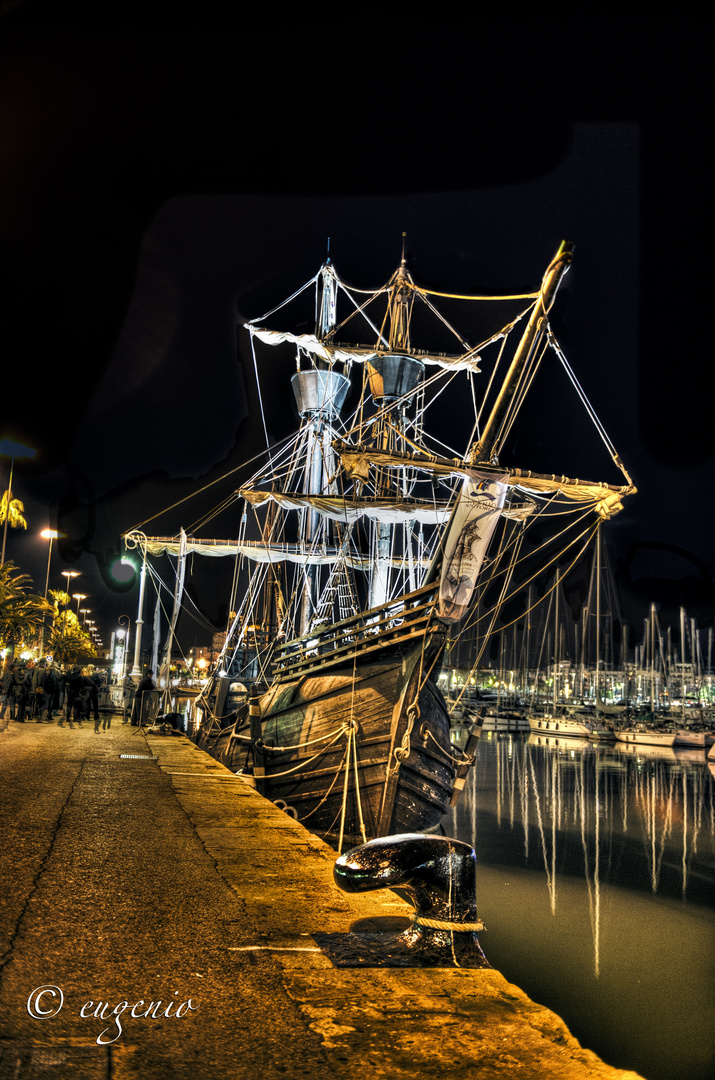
587 405
283 303
193 494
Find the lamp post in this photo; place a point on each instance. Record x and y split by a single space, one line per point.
48 534
136 670
84 611
69 574
78 596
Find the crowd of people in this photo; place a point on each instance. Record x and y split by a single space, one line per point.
42 692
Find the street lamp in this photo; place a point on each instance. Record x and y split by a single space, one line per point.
84 611
78 596
48 534
69 574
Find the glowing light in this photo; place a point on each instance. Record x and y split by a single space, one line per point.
123 570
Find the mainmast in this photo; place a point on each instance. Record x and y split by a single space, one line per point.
391 376
320 394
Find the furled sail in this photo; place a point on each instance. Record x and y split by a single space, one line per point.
332 352
357 461
349 511
264 552
607 498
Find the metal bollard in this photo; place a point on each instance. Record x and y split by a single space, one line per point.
439 875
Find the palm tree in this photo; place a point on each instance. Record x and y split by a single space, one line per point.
21 612
68 641
15 512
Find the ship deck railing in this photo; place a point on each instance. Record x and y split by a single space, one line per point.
394 623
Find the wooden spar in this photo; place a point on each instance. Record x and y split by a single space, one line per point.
469 751
483 450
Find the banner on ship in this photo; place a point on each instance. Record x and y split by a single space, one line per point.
475 517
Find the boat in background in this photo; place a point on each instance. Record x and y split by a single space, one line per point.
564 726
694 736
640 735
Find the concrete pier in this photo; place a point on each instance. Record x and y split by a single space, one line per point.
160 878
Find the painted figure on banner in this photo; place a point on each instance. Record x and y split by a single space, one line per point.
474 520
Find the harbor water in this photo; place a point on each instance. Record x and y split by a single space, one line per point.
596 875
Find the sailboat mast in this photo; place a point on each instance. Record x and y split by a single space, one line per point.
598 610
557 657
682 662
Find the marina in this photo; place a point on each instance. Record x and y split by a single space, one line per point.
597 885
336 523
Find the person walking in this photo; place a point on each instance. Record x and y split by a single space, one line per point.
45 700
145 687
37 689
52 690
108 708
96 683
127 698
73 686
6 697
21 691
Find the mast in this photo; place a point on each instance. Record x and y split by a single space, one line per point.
557 656
391 376
682 663
487 448
598 611
320 393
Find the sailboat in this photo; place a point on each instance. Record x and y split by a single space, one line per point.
371 542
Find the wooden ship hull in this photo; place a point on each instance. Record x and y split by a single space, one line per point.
354 739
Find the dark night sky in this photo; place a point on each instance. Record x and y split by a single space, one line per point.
162 181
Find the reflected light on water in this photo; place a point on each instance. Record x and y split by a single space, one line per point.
596 872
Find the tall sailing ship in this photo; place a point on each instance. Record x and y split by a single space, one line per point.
366 546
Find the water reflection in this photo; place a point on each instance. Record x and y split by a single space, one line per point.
590 834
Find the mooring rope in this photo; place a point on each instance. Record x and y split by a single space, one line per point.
301 764
463 760
311 742
441 924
